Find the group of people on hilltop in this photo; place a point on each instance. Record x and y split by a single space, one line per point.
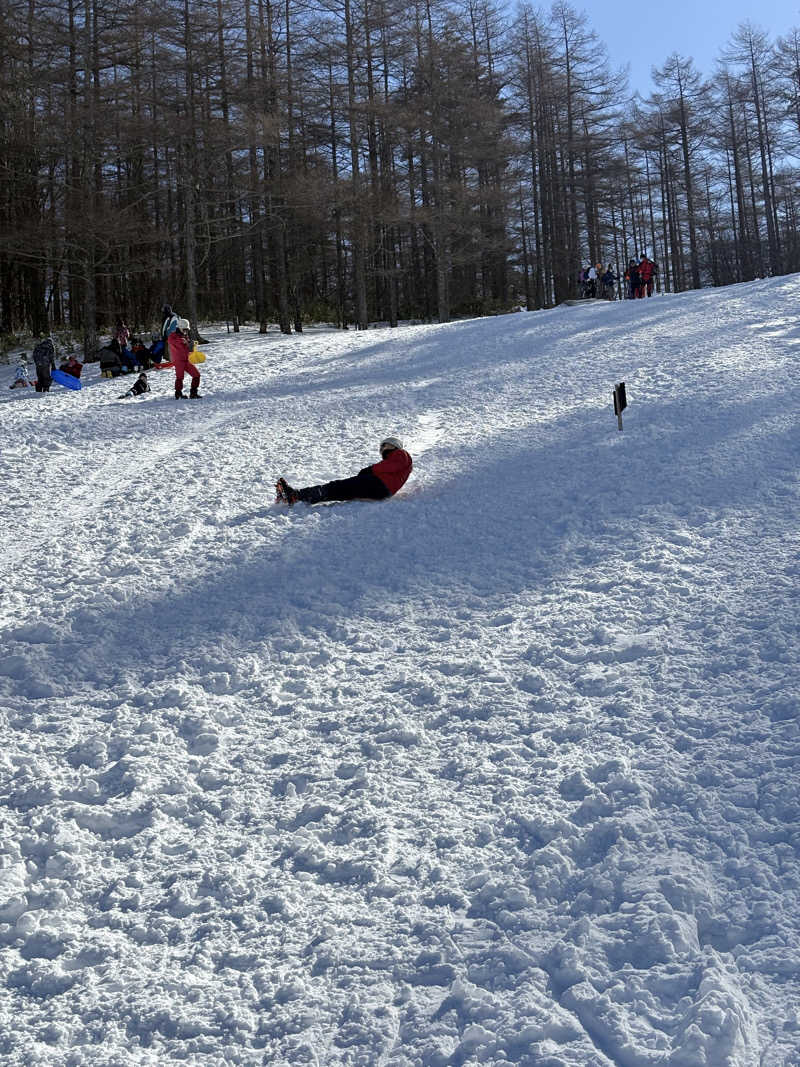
594 281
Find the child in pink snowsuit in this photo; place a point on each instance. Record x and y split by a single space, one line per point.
179 349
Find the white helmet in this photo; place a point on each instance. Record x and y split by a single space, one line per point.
183 324
388 443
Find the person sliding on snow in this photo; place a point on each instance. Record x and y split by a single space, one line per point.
375 482
179 349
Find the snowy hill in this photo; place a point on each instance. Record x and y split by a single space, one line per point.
501 771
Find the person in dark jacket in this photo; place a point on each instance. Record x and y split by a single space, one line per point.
110 365
141 385
608 279
169 324
44 356
375 482
634 280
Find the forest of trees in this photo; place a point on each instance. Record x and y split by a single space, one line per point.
360 161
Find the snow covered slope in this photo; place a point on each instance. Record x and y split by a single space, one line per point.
503 770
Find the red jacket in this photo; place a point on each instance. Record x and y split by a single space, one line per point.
178 348
646 269
394 470
72 366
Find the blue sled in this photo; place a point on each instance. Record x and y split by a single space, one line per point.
69 381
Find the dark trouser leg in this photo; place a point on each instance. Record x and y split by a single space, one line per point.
361 487
194 374
179 363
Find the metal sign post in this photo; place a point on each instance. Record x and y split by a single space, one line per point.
620 402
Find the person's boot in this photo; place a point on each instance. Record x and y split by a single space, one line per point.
180 395
193 393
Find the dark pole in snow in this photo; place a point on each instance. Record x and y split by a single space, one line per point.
620 402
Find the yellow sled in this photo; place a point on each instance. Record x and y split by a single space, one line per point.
197 357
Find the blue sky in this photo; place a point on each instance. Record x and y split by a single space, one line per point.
644 34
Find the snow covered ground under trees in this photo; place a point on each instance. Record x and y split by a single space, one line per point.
503 770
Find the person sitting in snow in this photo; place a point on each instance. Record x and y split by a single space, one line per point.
376 482
140 353
110 365
72 366
157 352
21 374
119 343
141 385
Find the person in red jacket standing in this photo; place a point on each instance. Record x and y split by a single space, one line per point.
375 482
179 349
647 269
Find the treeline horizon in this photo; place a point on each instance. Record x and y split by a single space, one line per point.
360 161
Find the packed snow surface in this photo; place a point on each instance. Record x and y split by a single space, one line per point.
503 770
